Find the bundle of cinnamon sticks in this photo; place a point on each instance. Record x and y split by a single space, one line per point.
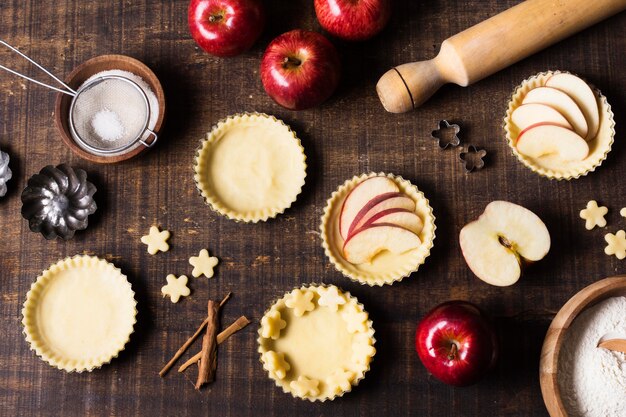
207 357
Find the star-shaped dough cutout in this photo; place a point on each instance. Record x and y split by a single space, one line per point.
305 387
356 321
300 302
272 324
594 215
616 244
330 297
340 381
622 212
176 287
362 352
203 264
156 240
275 364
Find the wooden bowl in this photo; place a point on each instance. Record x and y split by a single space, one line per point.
79 76
549 363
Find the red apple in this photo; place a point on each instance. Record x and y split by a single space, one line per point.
225 27
353 20
456 343
300 69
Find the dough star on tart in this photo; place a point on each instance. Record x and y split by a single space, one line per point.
316 342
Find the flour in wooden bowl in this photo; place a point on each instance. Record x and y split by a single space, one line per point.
592 380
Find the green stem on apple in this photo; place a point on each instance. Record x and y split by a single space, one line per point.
453 351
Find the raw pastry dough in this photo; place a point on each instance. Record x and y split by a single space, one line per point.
156 240
616 244
322 352
203 264
594 215
622 212
176 287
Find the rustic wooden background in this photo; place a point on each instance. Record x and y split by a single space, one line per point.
348 135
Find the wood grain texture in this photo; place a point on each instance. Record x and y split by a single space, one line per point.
348 135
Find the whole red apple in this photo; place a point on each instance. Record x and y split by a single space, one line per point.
300 69
353 20
456 343
225 27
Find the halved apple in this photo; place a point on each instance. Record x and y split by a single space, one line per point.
544 138
532 113
400 217
370 240
584 97
361 195
505 236
562 103
379 204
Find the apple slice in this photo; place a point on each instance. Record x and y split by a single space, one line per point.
370 240
533 113
379 204
582 94
544 138
504 236
360 196
562 103
406 219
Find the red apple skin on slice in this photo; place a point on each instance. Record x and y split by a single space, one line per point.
381 203
582 94
369 241
360 195
530 114
545 138
562 103
400 217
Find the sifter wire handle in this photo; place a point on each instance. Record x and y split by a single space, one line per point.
69 90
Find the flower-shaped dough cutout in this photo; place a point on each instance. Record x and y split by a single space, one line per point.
272 324
594 215
473 158
203 264
361 352
300 302
176 287
356 321
616 244
622 212
330 297
156 240
275 363
340 380
305 387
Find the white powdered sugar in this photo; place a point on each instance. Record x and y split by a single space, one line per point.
592 380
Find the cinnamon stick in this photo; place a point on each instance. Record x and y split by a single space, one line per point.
239 324
208 359
188 343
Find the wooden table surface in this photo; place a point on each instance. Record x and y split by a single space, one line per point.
348 135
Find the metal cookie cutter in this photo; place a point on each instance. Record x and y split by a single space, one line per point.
473 158
444 134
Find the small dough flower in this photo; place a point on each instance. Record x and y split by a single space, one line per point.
362 352
340 380
272 324
356 321
330 297
275 364
176 287
305 387
616 244
300 302
622 212
594 215
203 264
156 240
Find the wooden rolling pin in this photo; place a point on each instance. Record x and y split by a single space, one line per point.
490 46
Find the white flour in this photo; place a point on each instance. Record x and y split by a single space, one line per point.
593 380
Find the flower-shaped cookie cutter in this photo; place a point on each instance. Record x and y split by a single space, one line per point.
5 172
58 201
447 134
473 158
